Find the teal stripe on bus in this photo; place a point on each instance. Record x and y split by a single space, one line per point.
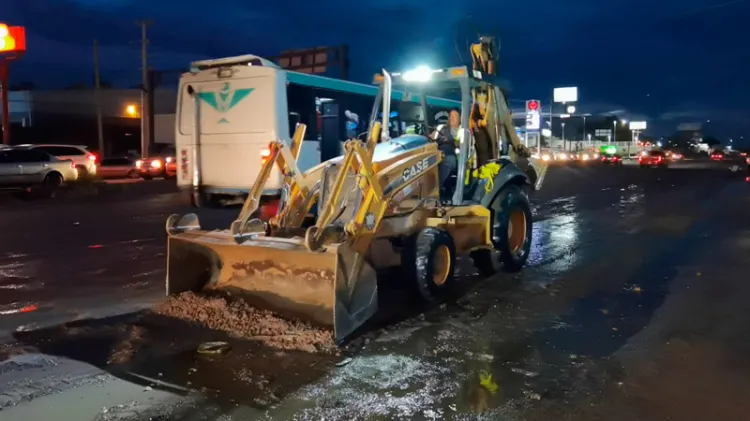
359 88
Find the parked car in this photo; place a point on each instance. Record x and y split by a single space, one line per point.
118 168
85 161
34 170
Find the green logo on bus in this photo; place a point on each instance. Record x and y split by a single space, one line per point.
225 99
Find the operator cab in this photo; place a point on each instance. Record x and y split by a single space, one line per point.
474 148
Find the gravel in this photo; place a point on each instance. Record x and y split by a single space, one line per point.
242 321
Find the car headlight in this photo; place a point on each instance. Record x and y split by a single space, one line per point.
545 157
155 163
138 163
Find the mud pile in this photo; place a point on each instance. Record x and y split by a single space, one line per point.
240 320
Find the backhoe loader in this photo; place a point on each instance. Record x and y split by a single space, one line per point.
379 206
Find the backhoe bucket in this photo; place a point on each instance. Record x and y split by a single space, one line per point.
333 288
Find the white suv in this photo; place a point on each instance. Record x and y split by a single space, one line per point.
85 161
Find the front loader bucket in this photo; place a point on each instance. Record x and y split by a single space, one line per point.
334 288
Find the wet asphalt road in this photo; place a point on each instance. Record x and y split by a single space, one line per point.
633 307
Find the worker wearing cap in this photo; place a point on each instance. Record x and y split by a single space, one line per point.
447 139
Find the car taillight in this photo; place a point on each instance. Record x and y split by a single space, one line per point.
91 157
264 154
72 165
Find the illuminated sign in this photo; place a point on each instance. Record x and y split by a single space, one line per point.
637 125
564 95
12 39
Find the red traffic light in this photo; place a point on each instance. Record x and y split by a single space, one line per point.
532 105
12 39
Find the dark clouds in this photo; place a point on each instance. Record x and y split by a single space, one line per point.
682 60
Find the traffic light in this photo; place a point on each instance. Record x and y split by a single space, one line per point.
12 39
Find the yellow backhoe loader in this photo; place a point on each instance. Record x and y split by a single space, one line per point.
379 206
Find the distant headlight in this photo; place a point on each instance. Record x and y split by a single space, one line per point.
545 157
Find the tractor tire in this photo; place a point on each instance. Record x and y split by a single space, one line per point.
512 227
430 259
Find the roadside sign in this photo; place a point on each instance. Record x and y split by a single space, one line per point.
533 115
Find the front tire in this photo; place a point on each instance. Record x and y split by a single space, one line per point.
431 259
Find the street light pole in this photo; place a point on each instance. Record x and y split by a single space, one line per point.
614 131
584 127
565 146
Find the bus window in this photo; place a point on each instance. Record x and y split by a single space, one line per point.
331 132
294 120
301 104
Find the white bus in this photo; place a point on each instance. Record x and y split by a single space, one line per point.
244 102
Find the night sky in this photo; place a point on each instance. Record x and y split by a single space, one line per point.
663 61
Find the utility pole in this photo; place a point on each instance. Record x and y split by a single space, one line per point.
145 90
98 100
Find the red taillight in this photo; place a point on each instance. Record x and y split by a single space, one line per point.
72 165
92 157
658 159
264 154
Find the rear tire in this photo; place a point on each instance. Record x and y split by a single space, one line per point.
431 259
512 227
49 186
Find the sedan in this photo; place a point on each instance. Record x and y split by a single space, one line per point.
159 166
118 168
34 171
653 159
612 159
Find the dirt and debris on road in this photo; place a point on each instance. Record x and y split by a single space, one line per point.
240 320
